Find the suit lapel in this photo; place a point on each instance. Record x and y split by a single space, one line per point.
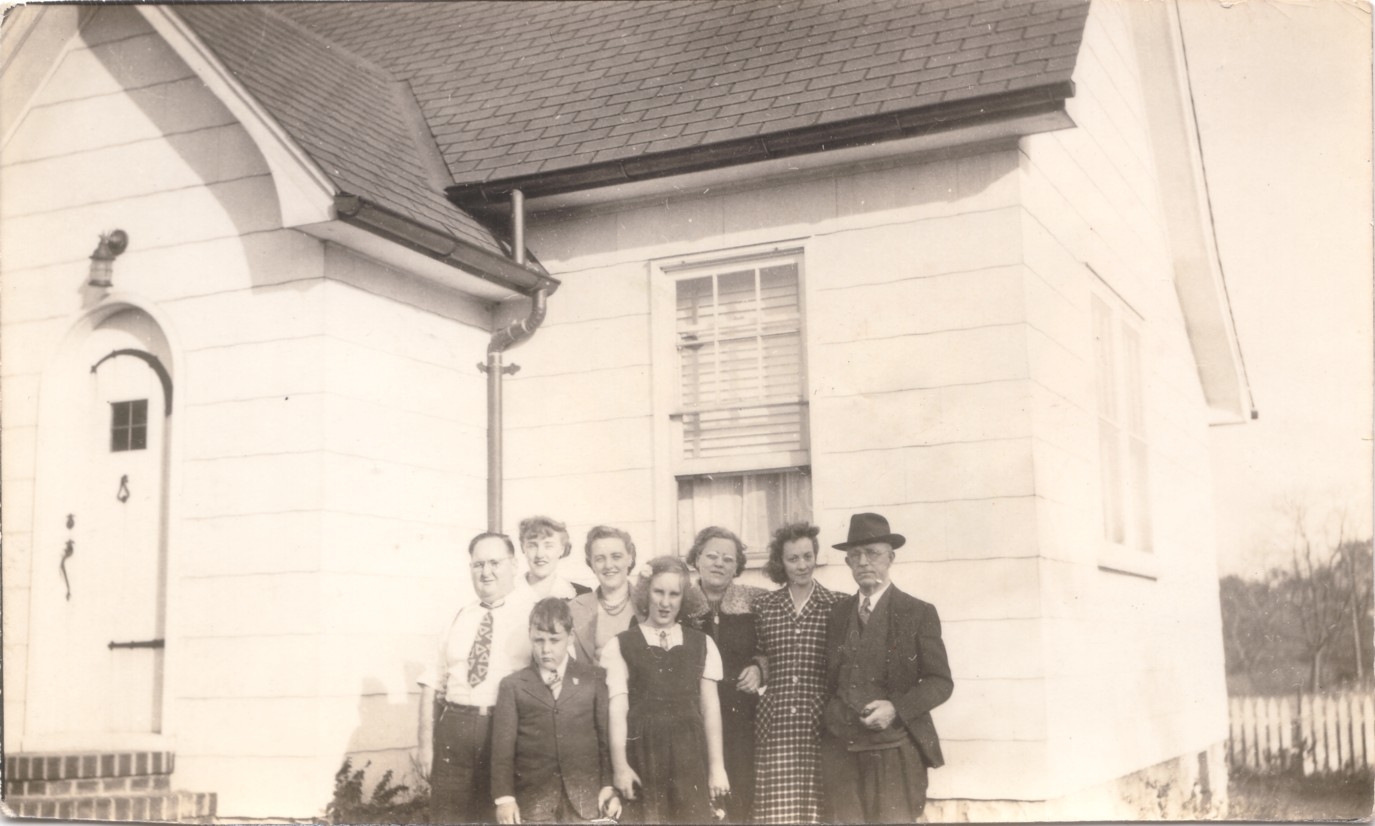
837 634
577 677
532 684
584 627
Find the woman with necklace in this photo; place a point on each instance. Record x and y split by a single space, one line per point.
606 611
791 627
728 618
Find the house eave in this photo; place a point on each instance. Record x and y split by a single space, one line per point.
1199 280
1039 104
442 247
309 199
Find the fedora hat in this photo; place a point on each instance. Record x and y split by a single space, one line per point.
870 527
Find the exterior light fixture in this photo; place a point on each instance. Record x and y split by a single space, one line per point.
103 259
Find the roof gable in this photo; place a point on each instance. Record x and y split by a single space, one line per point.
351 117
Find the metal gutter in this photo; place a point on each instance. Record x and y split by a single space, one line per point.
1036 100
489 266
517 332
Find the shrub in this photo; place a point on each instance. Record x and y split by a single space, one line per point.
388 803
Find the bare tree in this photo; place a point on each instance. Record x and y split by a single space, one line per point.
1354 561
1323 587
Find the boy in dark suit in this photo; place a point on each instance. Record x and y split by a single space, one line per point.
551 761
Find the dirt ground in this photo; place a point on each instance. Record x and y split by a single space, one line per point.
1289 797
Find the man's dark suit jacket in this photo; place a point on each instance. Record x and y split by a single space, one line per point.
535 738
917 673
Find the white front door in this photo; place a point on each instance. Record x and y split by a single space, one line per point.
96 656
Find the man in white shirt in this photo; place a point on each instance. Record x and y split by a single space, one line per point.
487 640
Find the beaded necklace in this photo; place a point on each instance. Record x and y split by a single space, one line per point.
613 610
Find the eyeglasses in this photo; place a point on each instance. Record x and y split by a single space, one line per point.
867 554
493 564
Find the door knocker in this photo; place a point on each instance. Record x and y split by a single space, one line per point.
123 495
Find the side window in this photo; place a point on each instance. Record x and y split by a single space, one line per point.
1123 448
740 443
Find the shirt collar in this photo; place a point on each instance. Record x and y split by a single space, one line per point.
875 596
675 633
561 670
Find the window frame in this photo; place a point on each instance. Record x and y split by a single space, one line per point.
1135 551
670 465
123 436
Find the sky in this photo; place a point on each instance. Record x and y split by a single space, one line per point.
1283 95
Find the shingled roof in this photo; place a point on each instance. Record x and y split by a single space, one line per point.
349 114
512 89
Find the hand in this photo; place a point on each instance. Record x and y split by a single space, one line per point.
718 782
878 715
750 679
609 803
625 781
508 812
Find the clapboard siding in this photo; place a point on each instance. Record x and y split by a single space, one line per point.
916 326
936 303
121 135
1093 212
250 606
286 665
244 544
308 382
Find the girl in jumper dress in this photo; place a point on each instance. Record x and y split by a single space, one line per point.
665 721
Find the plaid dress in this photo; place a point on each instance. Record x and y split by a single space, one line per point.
787 728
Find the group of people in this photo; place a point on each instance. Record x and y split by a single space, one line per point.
670 697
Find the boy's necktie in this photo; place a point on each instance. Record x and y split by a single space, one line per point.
864 612
554 681
481 653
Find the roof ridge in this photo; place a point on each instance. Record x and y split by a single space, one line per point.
412 116
333 47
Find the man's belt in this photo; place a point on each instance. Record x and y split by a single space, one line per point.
479 711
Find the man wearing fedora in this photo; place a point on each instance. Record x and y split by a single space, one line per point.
886 669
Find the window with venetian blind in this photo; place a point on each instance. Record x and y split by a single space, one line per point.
740 444
1122 447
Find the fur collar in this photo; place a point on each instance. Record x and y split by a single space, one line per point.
738 599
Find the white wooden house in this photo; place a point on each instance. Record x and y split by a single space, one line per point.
950 260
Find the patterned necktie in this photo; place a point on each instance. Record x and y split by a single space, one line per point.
554 681
864 612
481 652
663 640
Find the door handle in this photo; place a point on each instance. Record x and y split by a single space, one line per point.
66 554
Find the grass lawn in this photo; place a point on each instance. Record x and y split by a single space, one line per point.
1290 797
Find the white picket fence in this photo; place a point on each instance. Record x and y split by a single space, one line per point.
1322 733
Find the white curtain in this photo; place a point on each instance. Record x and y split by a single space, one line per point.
753 505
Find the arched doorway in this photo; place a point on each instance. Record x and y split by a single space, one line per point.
99 583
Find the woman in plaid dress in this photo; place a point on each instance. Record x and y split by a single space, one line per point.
791 629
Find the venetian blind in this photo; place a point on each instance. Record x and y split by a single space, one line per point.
739 343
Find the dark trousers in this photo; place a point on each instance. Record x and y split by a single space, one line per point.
565 812
879 786
461 777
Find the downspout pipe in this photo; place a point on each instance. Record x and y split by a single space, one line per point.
513 334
